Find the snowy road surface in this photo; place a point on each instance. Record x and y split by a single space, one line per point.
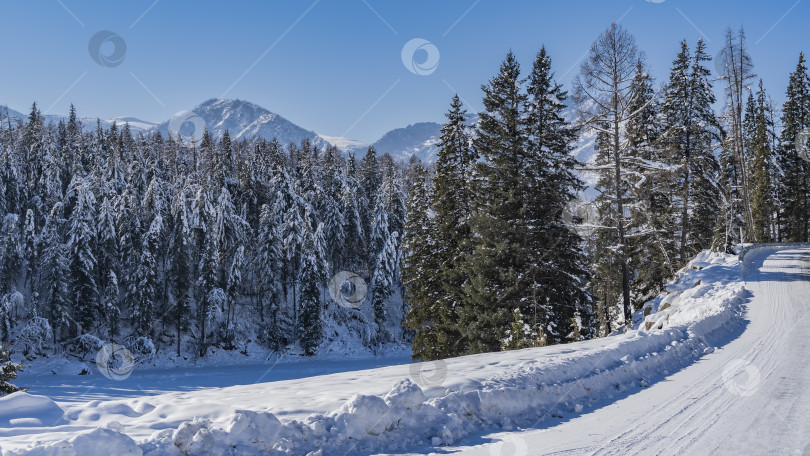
763 410
719 366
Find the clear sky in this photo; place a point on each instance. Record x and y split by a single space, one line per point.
335 66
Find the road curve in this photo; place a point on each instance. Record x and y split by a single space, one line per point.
751 396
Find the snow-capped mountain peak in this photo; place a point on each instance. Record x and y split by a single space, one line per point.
245 120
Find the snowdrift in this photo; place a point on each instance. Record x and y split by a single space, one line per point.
702 304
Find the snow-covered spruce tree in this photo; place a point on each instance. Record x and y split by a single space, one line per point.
269 264
355 206
55 294
433 328
794 181
129 226
180 272
383 282
146 278
231 232
762 166
208 277
381 276
452 201
34 136
81 237
29 252
296 225
391 194
233 285
107 256
312 274
11 188
556 268
604 93
8 372
11 254
369 180
497 258
331 207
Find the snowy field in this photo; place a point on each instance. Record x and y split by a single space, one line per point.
718 365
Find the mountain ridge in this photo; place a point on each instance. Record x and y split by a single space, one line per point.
244 119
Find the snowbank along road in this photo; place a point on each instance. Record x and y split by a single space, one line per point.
718 365
751 396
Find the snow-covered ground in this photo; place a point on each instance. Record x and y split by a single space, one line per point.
718 365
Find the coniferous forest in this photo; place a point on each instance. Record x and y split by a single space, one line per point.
178 247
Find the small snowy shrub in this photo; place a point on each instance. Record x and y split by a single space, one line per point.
142 348
34 337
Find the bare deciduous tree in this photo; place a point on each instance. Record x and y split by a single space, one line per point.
605 96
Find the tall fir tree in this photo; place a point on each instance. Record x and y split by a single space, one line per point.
452 203
496 261
690 132
83 289
794 182
763 169
556 268
434 328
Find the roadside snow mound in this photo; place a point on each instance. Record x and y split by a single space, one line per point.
703 294
99 441
669 333
21 409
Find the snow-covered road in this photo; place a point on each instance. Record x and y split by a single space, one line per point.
706 408
719 365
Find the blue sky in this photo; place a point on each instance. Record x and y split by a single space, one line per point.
335 66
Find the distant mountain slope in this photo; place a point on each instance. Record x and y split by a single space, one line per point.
88 123
243 119
417 140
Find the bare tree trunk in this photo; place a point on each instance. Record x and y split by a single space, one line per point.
603 92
